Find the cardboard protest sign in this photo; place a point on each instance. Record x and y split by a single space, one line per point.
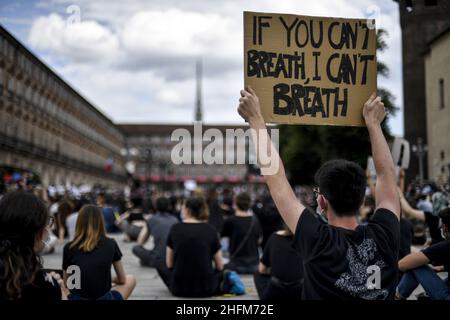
371 168
310 70
400 153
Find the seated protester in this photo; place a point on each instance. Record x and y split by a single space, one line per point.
24 229
280 272
268 217
108 214
417 272
72 218
192 247
215 217
159 226
341 259
425 205
406 237
175 207
133 223
422 214
65 208
94 254
244 233
226 206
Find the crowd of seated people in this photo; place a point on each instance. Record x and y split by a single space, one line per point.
309 246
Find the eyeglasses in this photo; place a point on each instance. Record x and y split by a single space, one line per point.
50 221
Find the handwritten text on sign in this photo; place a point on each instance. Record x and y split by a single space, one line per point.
310 70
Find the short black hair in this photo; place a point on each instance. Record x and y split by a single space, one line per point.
444 214
343 183
163 204
243 201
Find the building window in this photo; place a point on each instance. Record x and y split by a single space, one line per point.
442 155
441 94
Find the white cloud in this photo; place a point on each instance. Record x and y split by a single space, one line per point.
175 32
136 59
80 42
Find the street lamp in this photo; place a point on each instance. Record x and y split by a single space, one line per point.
420 150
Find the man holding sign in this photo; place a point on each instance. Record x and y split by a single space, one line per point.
342 259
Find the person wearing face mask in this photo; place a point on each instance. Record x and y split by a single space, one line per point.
417 271
24 230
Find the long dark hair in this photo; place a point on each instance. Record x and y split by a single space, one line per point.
22 217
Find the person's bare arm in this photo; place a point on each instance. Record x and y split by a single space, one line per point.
169 257
120 277
263 269
413 260
386 194
281 191
409 211
218 260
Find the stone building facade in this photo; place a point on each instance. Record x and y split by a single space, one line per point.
150 147
421 21
49 128
437 81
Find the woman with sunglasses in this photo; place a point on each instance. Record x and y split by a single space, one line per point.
24 230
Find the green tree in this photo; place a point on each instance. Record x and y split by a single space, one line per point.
305 148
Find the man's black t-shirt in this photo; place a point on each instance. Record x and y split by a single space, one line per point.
194 246
349 264
236 229
284 261
439 254
95 267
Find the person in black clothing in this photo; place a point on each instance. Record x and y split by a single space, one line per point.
215 217
280 272
133 223
406 237
159 226
192 247
174 206
268 217
244 232
24 229
227 206
93 254
341 259
416 269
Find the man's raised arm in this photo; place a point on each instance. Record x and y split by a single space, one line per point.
386 194
284 197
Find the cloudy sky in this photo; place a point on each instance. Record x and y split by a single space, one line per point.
135 59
